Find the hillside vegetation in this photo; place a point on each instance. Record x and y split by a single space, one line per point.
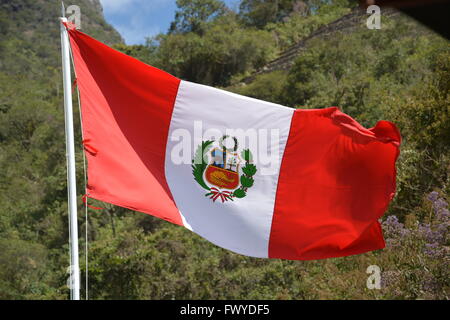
400 73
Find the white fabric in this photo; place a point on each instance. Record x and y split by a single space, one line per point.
242 225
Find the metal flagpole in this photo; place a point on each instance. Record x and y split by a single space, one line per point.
70 153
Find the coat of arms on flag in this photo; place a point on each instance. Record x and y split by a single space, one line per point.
223 171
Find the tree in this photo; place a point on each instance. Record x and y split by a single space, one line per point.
193 15
225 49
259 13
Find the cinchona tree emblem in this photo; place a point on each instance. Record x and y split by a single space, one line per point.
222 170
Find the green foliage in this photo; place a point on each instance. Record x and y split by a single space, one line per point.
247 155
25 271
425 116
246 182
193 15
424 120
225 49
268 87
260 13
144 53
249 169
200 162
239 193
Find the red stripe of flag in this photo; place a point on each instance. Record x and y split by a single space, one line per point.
336 180
126 108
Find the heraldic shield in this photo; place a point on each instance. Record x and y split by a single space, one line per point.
223 172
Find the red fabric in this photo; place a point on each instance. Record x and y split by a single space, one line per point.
336 179
126 109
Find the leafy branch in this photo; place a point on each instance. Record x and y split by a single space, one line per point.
249 170
200 162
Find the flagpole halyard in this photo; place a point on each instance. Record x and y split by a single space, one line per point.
70 154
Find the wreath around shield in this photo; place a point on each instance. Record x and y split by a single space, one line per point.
246 180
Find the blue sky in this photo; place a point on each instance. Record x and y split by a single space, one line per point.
137 19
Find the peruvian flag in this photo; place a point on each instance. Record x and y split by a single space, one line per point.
254 177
